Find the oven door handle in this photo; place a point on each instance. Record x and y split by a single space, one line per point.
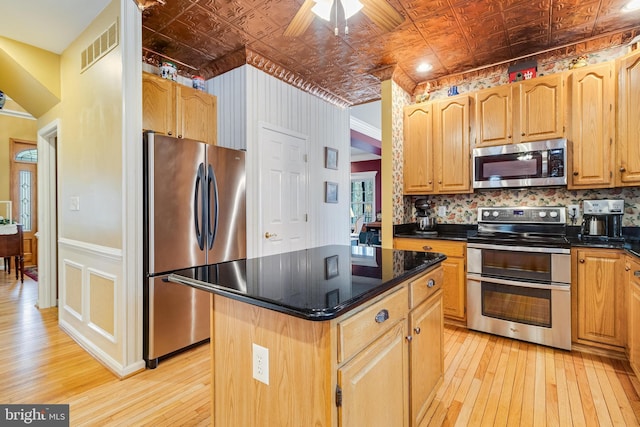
551 286
537 249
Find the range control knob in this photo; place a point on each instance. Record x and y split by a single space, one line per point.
553 214
495 214
542 214
485 213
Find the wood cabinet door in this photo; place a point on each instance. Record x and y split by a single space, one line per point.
158 104
493 121
426 353
539 108
374 383
455 285
634 316
451 145
628 149
197 115
418 149
601 302
592 126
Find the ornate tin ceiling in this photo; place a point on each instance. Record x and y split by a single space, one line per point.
210 37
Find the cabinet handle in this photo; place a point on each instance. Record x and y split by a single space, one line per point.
169 133
582 261
440 182
179 136
431 283
430 182
382 315
523 134
417 330
575 173
623 169
509 136
427 248
627 268
409 338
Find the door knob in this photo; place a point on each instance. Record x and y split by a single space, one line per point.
268 235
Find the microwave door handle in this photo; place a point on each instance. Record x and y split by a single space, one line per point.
545 164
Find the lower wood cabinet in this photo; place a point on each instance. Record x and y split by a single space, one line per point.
455 274
633 339
376 366
599 297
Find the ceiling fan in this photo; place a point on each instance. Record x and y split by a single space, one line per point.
379 11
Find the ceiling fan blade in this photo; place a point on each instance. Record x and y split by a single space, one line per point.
301 20
382 14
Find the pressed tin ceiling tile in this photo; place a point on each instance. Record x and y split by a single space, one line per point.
453 35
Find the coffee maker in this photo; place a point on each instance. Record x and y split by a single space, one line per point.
426 223
602 220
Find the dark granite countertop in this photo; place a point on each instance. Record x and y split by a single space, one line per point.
314 284
443 231
630 241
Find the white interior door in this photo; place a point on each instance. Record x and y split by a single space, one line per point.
283 191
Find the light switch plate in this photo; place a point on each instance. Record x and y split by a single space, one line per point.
74 203
442 211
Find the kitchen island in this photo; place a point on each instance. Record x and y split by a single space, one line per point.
336 335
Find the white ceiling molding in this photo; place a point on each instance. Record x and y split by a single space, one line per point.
365 128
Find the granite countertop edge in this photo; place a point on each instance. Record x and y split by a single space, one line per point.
312 315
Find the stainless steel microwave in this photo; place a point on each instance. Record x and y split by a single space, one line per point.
521 165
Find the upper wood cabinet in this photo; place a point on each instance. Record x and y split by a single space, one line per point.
600 302
177 110
418 149
452 152
591 126
538 108
492 120
436 147
627 172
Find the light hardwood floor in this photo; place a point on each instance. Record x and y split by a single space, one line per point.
489 380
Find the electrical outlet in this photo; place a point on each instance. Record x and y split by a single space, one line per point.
573 211
261 363
442 211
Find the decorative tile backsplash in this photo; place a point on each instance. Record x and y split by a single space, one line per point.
463 208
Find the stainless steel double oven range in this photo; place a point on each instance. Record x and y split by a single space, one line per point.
519 275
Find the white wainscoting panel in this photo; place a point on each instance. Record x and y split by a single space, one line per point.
92 277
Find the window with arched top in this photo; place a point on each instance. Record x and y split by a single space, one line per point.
28 156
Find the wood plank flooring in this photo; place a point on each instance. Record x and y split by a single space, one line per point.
489 381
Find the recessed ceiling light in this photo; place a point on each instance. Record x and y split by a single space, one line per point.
424 67
631 6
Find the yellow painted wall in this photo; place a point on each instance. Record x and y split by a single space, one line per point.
30 75
12 127
90 140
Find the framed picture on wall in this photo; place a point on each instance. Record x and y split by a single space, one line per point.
330 192
330 158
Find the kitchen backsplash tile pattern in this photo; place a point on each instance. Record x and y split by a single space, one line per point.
462 208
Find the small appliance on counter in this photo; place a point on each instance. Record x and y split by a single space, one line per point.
426 223
602 220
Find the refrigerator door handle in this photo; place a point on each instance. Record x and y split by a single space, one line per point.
212 185
196 212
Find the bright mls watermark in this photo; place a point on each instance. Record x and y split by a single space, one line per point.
34 415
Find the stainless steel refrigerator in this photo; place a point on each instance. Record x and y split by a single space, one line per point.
194 214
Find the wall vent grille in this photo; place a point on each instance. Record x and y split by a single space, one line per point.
100 47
